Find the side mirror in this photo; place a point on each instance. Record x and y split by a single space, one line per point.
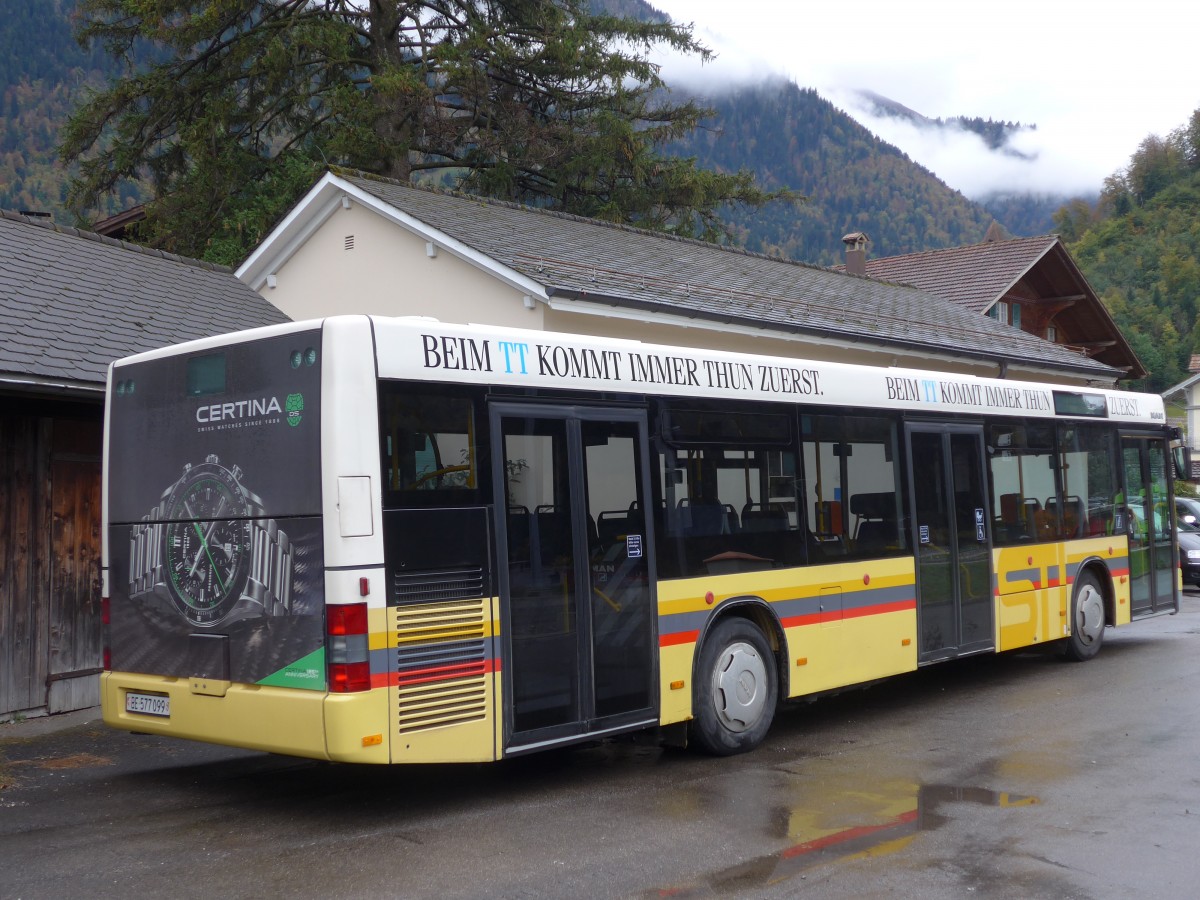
1183 463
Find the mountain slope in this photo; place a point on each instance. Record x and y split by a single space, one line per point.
786 135
40 83
854 181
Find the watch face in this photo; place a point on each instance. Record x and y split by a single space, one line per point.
208 543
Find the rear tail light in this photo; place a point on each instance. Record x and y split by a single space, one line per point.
347 649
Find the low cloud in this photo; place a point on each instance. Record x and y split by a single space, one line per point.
1091 112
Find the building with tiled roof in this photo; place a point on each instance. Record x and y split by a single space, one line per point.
70 303
1031 283
368 245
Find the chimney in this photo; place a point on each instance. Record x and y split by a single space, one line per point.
856 252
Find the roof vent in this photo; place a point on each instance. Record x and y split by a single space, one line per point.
856 252
349 242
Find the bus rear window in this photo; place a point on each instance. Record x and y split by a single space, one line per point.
430 452
206 375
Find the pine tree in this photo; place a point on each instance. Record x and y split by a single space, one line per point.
537 101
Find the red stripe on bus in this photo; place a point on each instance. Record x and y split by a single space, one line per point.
854 612
879 608
434 673
679 637
808 619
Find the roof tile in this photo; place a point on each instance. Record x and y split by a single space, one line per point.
72 301
576 258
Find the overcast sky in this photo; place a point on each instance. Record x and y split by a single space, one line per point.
1096 78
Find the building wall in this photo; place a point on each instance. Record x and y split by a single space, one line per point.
388 272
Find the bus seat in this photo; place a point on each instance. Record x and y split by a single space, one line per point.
1074 515
1010 505
708 517
875 536
876 505
612 525
1046 524
518 534
760 517
553 533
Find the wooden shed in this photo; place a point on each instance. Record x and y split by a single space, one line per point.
71 302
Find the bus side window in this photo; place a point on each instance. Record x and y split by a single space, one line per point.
1023 469
1089 479
430 453
851 486
728 491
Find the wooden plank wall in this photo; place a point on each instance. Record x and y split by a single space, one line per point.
23 541
49 560
74 643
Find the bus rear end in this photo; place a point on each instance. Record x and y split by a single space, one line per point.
215 549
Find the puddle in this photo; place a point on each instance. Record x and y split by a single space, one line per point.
891 816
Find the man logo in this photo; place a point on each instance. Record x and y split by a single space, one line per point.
294 406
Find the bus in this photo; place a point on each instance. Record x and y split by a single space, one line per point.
390 540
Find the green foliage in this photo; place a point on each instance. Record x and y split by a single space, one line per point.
1140 249
853 180
535 101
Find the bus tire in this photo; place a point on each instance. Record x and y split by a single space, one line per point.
737 687
1087 619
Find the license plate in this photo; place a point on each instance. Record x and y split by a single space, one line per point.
148 704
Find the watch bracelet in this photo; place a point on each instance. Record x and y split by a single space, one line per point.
270 580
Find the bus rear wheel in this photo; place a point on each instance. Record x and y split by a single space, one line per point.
737 687
1087 619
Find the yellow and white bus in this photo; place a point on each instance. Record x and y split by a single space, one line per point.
394 540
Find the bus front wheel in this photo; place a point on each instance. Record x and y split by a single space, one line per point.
1087 619
737 686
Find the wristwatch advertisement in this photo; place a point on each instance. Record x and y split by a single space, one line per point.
215 546
207 549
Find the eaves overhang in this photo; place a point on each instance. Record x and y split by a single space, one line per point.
43 386
626 307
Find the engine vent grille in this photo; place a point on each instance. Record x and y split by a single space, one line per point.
442 663
436 585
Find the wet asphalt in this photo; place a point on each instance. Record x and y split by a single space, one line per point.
1014 776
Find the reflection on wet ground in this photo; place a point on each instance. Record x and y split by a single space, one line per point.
891 815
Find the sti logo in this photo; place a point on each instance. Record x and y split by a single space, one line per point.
294 407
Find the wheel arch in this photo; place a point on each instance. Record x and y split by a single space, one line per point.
758 612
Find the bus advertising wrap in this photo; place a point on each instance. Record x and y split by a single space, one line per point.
214 508
479 355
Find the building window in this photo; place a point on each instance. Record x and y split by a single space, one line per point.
1006 312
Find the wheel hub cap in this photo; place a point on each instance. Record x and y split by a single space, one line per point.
740 687
1089 618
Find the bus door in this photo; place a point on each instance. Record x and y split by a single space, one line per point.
951 534
1148 520
577 572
